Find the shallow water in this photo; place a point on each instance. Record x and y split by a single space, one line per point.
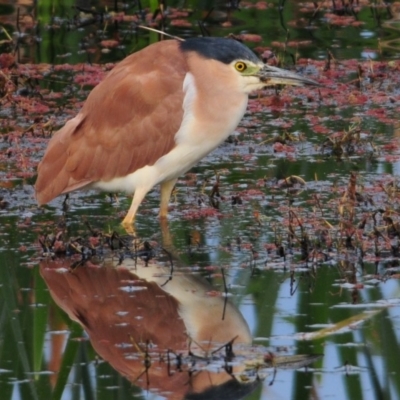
299 265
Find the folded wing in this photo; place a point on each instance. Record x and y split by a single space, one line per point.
128 121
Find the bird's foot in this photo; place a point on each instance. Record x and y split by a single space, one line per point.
129 227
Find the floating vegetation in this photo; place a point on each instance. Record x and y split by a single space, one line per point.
291 228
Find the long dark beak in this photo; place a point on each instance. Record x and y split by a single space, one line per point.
277 76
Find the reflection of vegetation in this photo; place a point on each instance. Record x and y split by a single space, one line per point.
34 339
338 246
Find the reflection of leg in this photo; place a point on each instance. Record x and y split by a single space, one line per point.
138 197
166 236
146 360
166 190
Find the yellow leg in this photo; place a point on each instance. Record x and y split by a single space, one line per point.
137 199
166 190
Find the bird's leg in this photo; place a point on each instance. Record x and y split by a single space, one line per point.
166 190
138 197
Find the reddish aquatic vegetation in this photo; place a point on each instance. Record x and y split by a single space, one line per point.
270 246
226 24
251 194
267 55
320 129
211 268
372 94
393 145
122 17
6 60
263 5
283 148
259 5
177 13
278 45
357 98
181 23
392 158
246 246
248 37
299 43
247 157
109 43
341 20
261 183
275 102
201 213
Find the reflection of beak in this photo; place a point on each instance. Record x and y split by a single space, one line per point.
277 76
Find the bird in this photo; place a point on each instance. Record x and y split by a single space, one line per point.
154 116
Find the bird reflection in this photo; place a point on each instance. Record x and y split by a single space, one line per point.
164 329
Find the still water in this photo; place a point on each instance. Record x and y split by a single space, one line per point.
277 276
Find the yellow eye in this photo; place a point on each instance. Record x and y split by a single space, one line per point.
240 66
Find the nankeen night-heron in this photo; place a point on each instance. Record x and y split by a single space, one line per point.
154 116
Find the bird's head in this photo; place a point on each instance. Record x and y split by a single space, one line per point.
251 72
